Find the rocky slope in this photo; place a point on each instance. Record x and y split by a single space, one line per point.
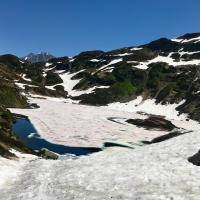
8 140
10 96
38 57
166 70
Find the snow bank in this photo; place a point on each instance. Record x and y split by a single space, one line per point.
171 61
48 64
10 169
97 60
136 49
26 79
195 40
123 54
168 60
110 63
159 172
69 84
149 106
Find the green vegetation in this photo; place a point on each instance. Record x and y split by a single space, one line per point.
46 92
11 97
7 138
120 91
52 79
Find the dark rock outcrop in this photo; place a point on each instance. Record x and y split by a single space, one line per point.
47 154
153 122
195 159
8 140
38 57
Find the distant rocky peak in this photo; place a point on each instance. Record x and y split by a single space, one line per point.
38 57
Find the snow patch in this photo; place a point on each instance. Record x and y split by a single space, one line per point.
11 169
149 106
123 54
48 64
109 64
26 79
168 60
195 40
136 49
96 60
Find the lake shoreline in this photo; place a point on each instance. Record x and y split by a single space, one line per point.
27 133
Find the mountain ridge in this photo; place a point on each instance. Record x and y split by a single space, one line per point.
167 70
38 57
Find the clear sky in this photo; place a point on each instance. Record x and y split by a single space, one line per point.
67 27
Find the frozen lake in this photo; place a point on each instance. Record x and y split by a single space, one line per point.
84 126
28 134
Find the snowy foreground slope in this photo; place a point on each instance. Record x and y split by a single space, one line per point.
157 171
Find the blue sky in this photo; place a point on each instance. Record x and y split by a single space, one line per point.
67 27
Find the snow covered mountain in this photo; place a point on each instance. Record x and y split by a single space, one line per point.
162 72
144 98
166 70
38 57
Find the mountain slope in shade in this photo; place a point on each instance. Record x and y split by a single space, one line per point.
38 57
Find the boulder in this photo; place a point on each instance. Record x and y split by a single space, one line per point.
153 122
45 153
